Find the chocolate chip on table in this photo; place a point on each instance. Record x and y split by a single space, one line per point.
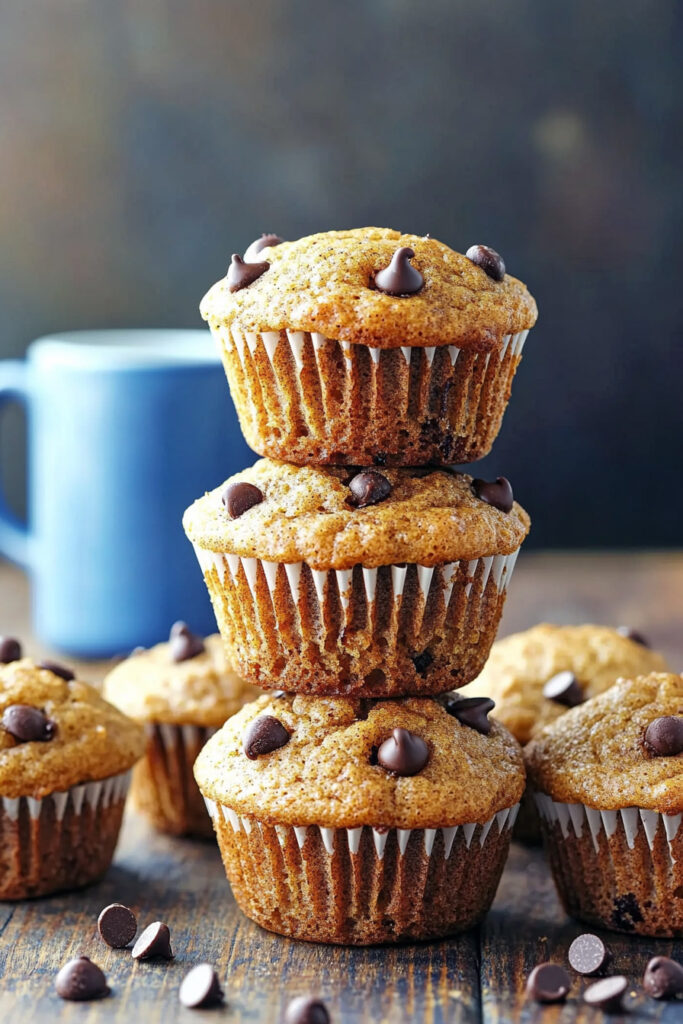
548 983
80 980
564 688
664 736
587 954
57 670
306 1010
490 261
264 735
496 492
117 925
472 711
663 978
633 634
265 241
369 488
241 274
10 650
184 644
28 724
607 994
155 941
403 753
240 497
201 988
400 277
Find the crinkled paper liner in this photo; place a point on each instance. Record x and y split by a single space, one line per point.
287 626
63 841
365 885
617 869
303 398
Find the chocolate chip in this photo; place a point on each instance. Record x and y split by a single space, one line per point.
252 251
240 497
587 954
264 735
664 736
626 912
633 634
607 994
305 1010
184 644
488 259
155 941
28 724
241 274
496 492
663 978
57 670
80 980
369 488
403 753
117 925
472 711
564 688
422 662
200 988
548 983
400 277
10 650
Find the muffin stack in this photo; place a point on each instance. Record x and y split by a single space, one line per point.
362 580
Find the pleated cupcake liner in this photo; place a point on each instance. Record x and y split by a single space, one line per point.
618 869
63 841
360 886
305 398
390 631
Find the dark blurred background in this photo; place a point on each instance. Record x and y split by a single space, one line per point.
142 142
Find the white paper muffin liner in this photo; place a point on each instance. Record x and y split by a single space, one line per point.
89 794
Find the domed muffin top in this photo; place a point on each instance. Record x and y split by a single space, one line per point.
326 283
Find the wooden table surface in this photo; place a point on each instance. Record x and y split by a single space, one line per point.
475 977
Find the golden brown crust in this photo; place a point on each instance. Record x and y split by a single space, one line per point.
323 283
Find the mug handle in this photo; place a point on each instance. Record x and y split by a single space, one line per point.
15 537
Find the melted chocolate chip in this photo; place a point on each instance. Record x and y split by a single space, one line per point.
28 724
305 1010
633 634
238 498
264 735
422 662
664 736
403 753
564 688
57 670
80 980
488 259
201 988
241 274
496 492
663 978
184 644
400 278
117 925
369 488
155 941
10 650
626 912
607 994
264 242
587 954
548 983
471 711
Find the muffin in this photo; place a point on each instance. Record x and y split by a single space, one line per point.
180 692
350 821
354 347
65 760
608 779
325 580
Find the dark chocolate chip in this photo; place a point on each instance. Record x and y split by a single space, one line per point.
380 458
587 954
117 925
10 650
548 983
403 753
564 688
241 274
626 912
400 277
155 941
200 988
633 634
265 241
488 259
264 735
664 736
305 1010
80 980
472 711
663 978
607 994
496 492
422 662
369 488
240 497
184 643
57 670
28 724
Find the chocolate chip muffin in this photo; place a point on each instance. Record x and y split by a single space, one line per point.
608 778
352 821
327 580
369 346
65 758
180 692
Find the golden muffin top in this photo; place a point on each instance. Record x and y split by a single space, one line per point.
326 283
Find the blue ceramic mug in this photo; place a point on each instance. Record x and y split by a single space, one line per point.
125 430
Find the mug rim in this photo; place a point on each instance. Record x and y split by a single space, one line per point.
126 348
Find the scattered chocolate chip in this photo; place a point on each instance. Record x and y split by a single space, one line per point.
369 488
664 736
607 994
633 634
548 983
80 980
264 735
265 241
403 753
422 662
240 497
496 492
184 644
57 670
587 954
564 688
663 978
400 277
117 925
241 274
10 650
488 259
155 941
472 711
201 988
28 724
305 1010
